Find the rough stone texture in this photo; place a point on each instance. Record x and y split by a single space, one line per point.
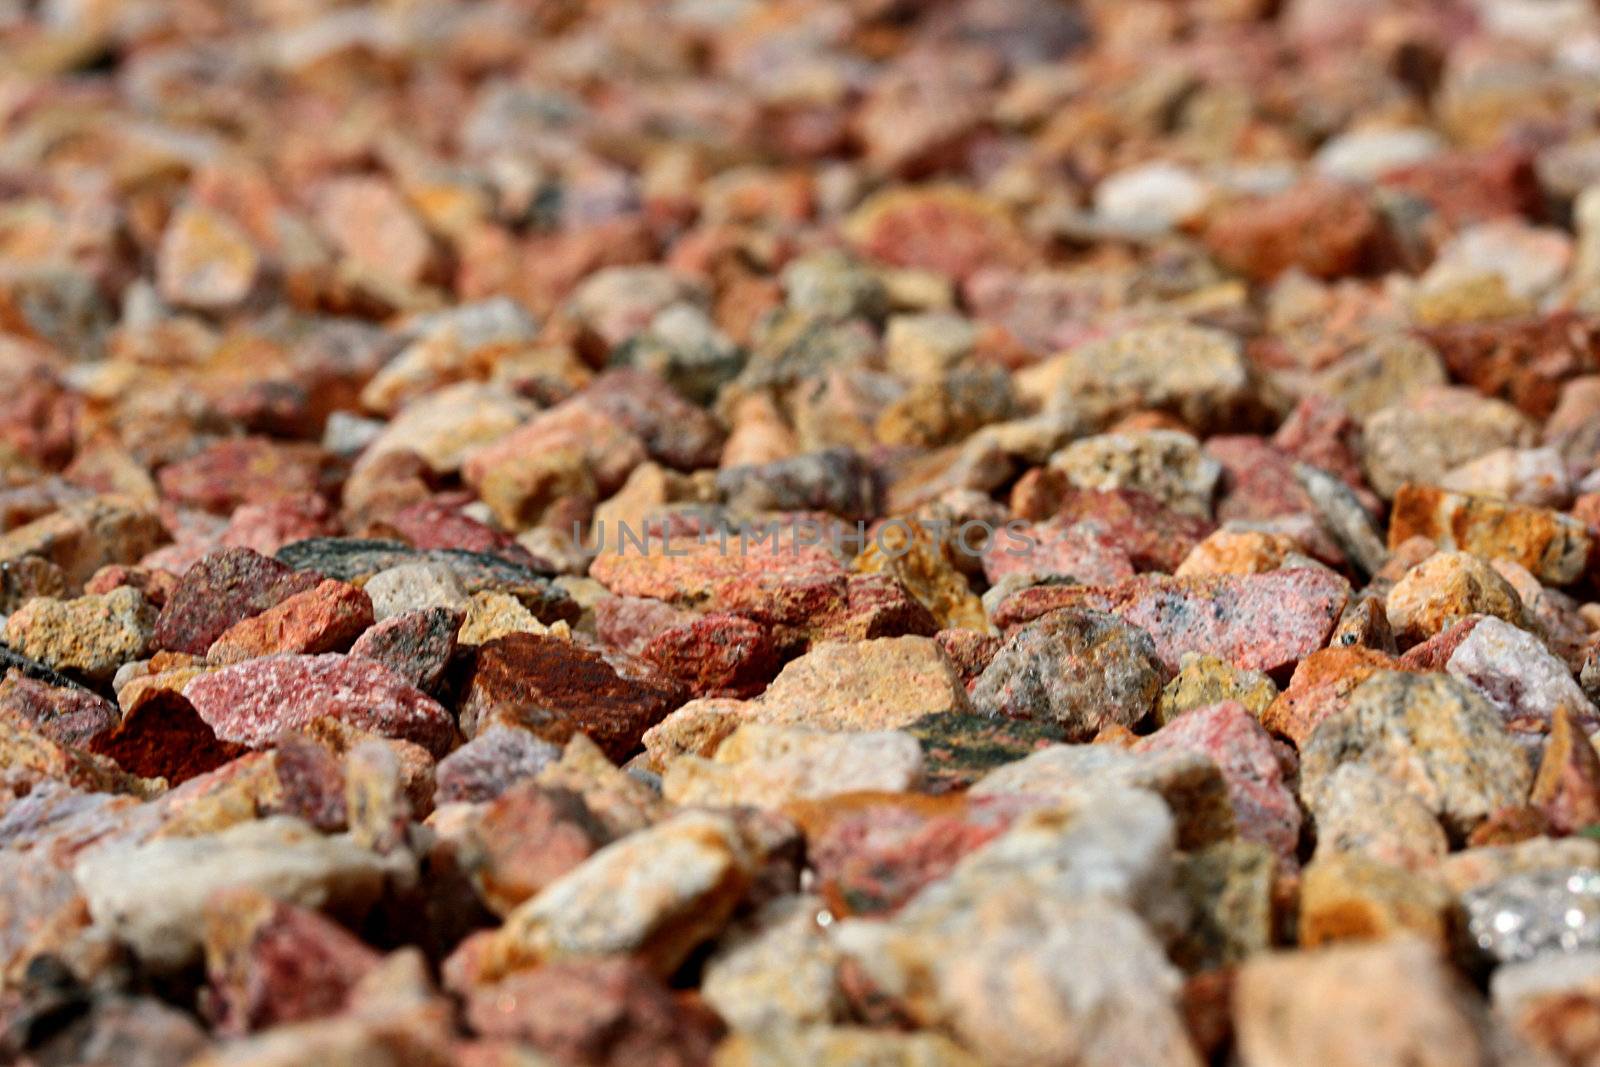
253 702
1445 588
91 636
1345 897
526 838
222 589
959 748
1429 733
1393 1002
1567 787
1520 676
1204 680
655 895
415 646
1262 622
164 737
610 1013
1320 686
1554 547
1166 464
1078 670
67 716
1430 435
716 655
761 765
1264 808
1368 813
924 563
556 688
324 619
490 763
85 535
414 587
152 896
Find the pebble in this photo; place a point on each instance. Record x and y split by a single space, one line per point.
1429 733
90 636
152 896
254 701
222 589
1520 676
1078 670
487 765
1554 547
1164 463
761 765
1203 680
327 618
415 646
1445 588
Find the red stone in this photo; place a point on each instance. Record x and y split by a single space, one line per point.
556 688
1155 537
255 701
1263 622
1468 187
527 838
163 737
1522 361
268 526
416 646
324 619
66 716
247 470
220 590
717 655
1325 230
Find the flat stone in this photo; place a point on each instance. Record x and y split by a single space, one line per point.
1079 670
761 765
255 701
654 895
556 688
152 896
491 763
1263 622
91 636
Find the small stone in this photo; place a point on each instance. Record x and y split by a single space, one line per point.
1343 516
1079 670
556 688
85 535
163 737
270 963
1164 463
224 588
1567 787
761 765
1389 1002
683 346
413 587
91 636
1229 887
1424 439
1536 477
674 432
924 563
205 261
152 896
1151 197
489 764
1430 733
1520 676
927 345
836 481
716 655
1195 373
944 229
1262 622
1367 813
1386 369
604 1012
1554 547
1444 588
1366 155
252 702
245 470
776 972
526 838
1264 808
1324 229
490 615
1203 680
415 646
443 429
880 684
371 225
326 618
959 748
1346 897
66 716
23 579
655 895
1191 784
1237 552
1320 685
1531 913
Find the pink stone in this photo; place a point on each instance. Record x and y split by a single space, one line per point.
1263 805
253 702
1086 551
1263 622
